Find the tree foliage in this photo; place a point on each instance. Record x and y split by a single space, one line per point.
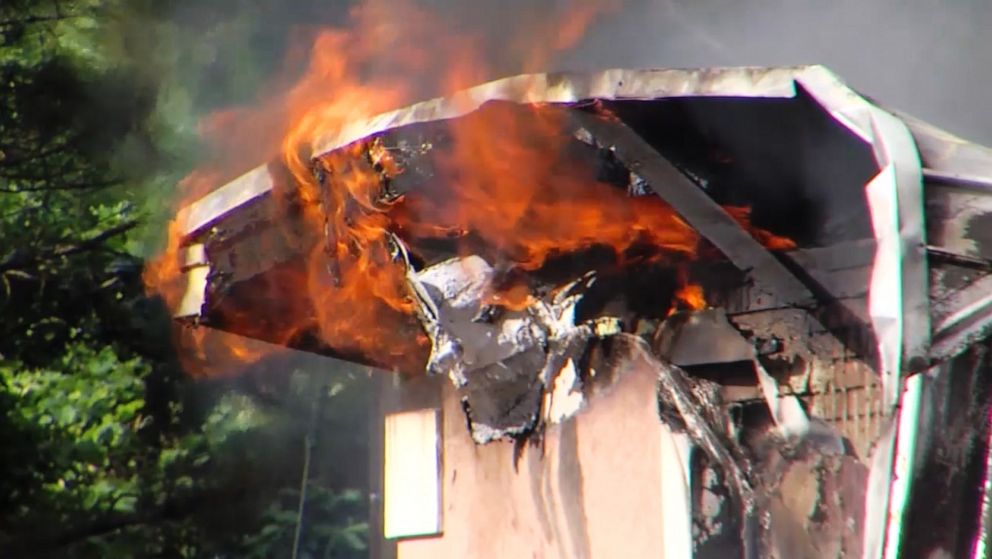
86 476
106 448
62 213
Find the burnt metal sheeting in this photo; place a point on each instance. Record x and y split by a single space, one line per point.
784 501
242 190
573 87
692 407
941 509
947 158
896 200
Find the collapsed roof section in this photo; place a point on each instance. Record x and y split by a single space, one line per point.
889 275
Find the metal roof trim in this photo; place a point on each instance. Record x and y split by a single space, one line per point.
564 87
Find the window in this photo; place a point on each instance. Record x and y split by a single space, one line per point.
412 464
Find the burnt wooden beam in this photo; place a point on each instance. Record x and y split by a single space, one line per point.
964 260
697 209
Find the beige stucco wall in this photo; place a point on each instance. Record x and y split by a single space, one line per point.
593 491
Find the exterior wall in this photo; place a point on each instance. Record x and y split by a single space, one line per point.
593 490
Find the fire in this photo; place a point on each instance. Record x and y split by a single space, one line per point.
519 192
691 295
365 301
516 297
763 236
510 182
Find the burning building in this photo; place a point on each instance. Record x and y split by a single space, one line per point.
679 313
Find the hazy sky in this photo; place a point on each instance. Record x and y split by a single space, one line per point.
930 58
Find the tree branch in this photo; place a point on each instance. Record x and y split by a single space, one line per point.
54 545
29 20
32 156
17 260
95 241
71 186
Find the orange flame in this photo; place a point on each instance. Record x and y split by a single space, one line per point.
372 66
514 187
763 236
367 302
691 295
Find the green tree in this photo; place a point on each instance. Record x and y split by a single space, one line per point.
63 214
82 481
106 448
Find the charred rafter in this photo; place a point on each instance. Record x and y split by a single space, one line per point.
698 209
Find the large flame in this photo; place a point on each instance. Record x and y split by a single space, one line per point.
512 184
519 191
